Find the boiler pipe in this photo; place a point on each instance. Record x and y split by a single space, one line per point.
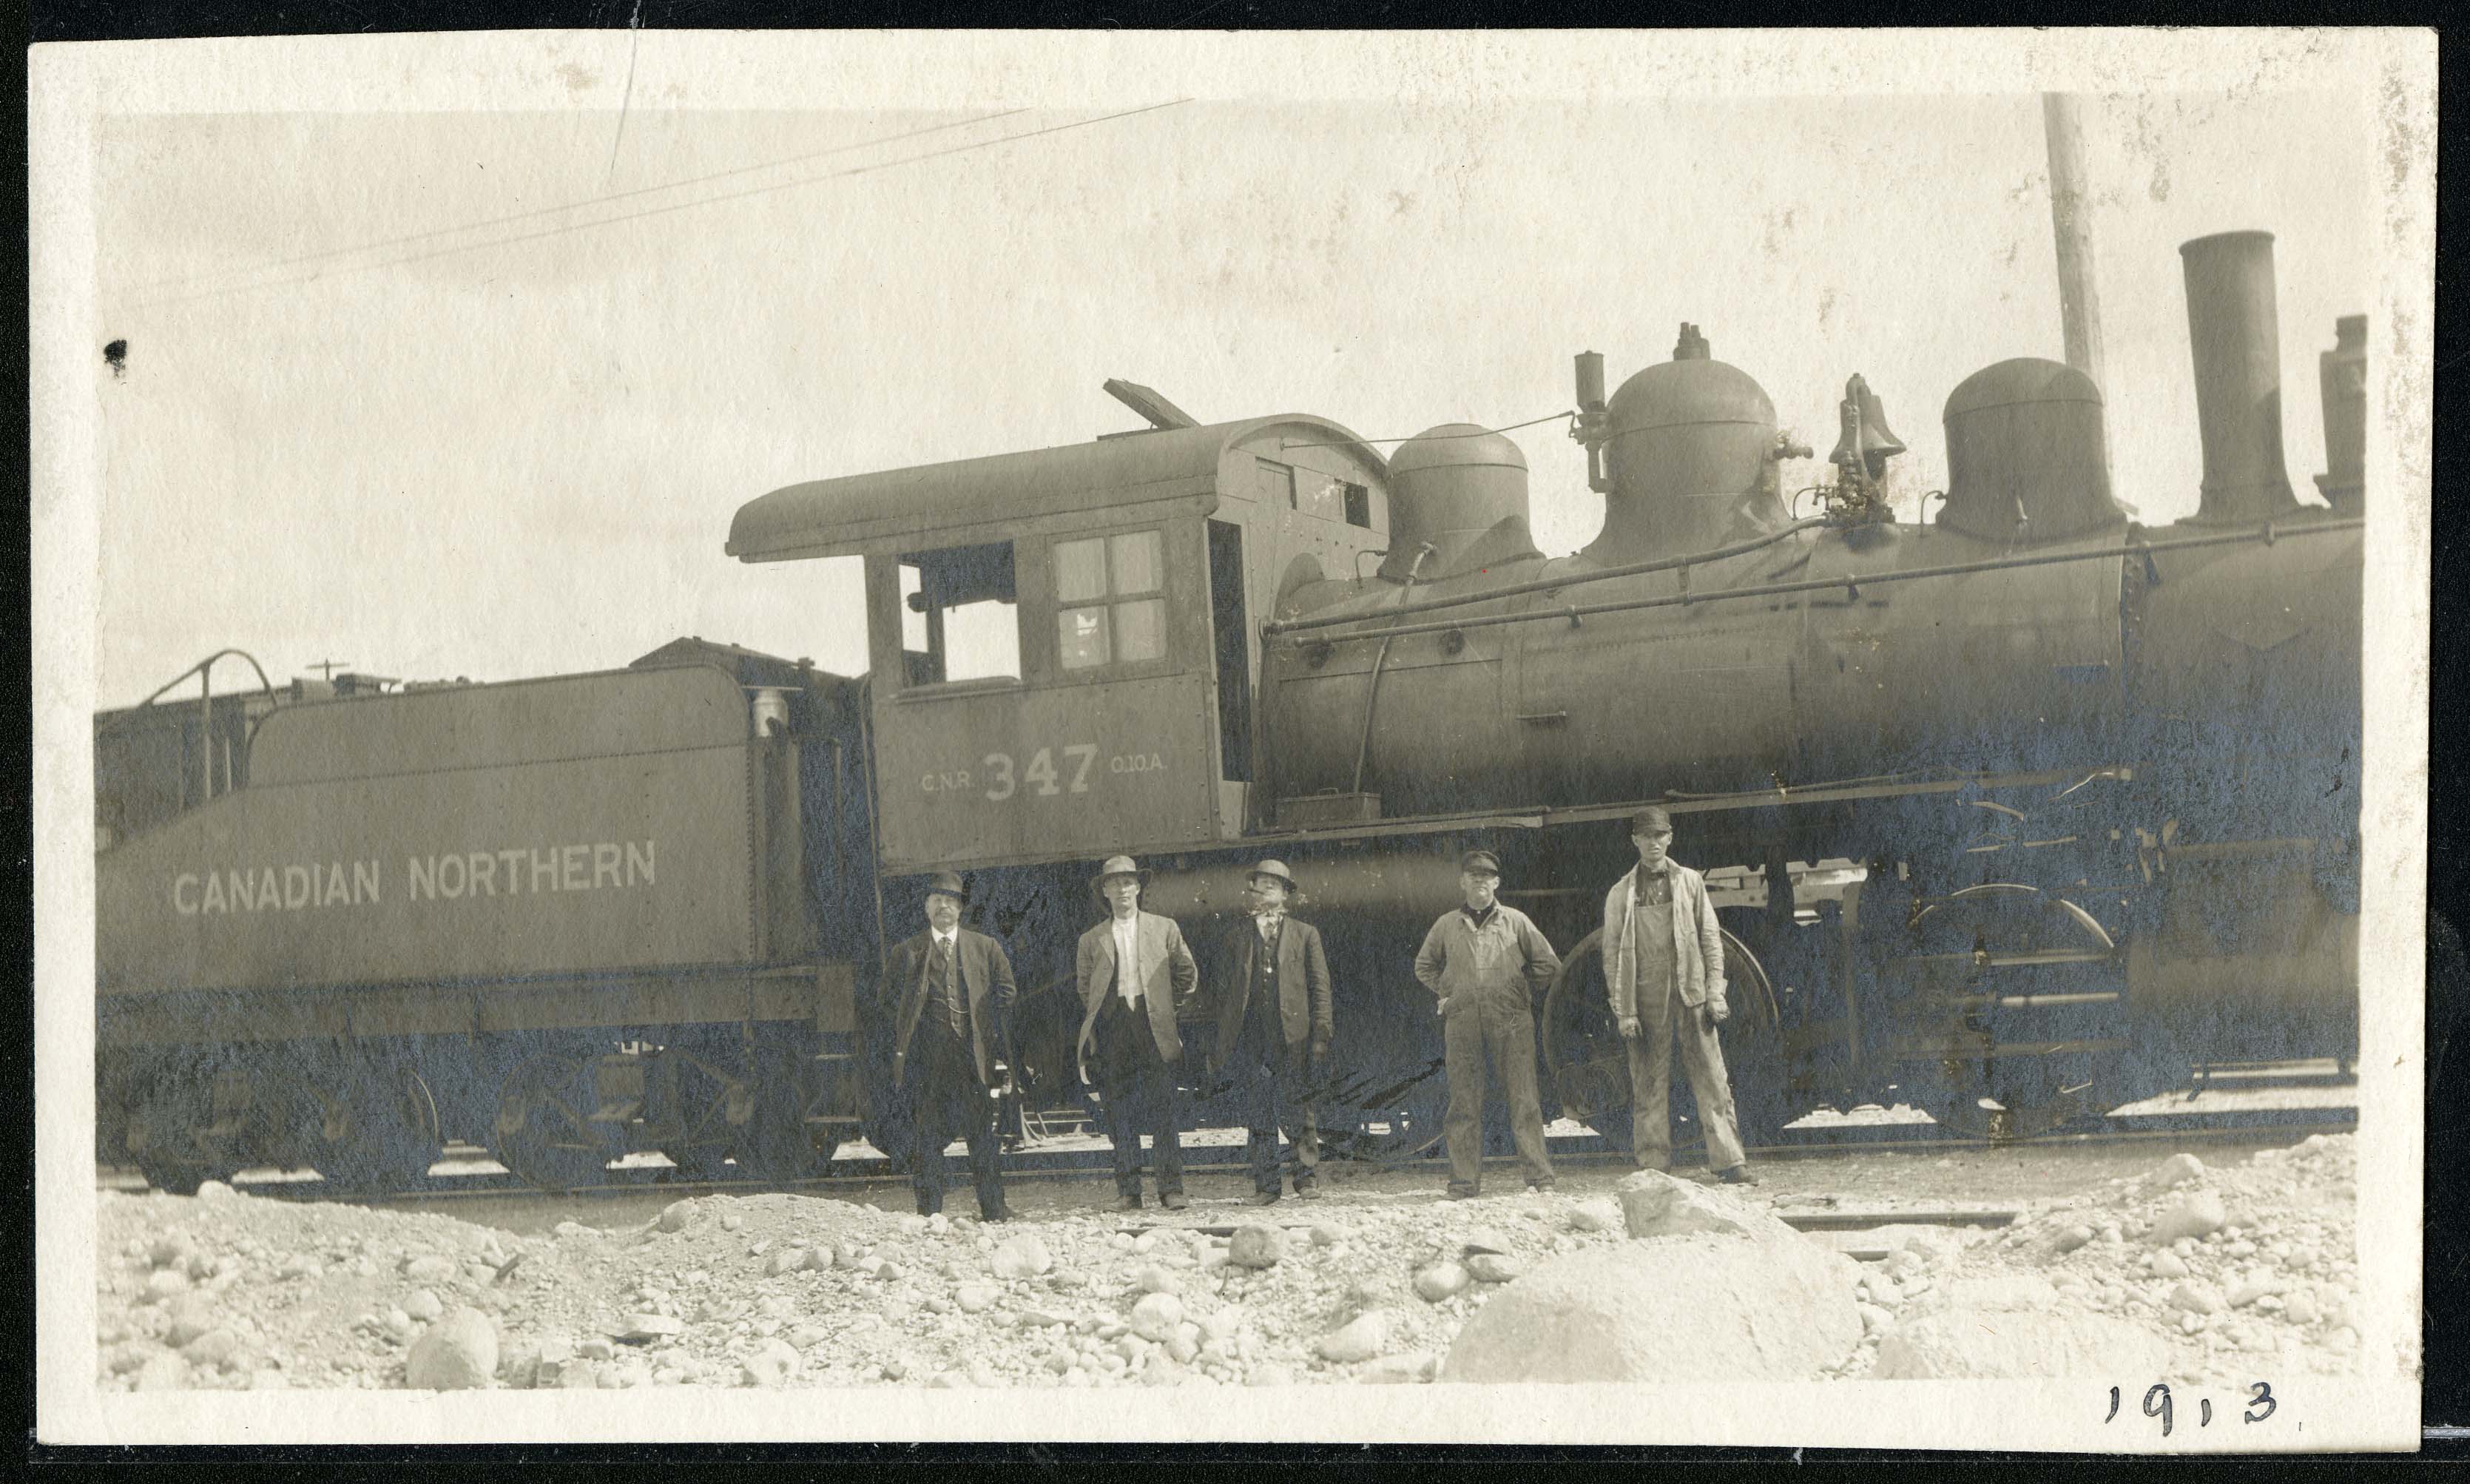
1575 611
1276 627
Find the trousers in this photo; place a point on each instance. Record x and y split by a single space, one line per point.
1665 1027
1499 1026
1270 1085
949 1100
1138 1089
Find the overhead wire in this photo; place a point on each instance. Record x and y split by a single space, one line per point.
660 211
433 233
1481 433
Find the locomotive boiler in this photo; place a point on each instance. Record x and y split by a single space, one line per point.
2013 810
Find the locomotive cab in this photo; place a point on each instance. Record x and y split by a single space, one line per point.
1063 643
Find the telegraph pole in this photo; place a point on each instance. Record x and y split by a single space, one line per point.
2071 218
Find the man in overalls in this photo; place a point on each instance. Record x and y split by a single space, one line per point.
1664 974
1484 961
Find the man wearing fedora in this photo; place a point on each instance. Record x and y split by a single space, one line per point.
1134 970
1484 960
956 992
1664 975
1274 1031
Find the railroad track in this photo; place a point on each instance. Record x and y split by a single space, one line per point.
1079 1158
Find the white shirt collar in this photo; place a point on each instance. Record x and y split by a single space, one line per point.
947 939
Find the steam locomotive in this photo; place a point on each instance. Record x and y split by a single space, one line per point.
2015 813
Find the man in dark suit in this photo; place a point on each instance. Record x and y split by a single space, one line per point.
1274 1031
955 991
1134 970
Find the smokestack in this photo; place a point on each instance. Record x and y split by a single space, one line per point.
2343 372
2236 337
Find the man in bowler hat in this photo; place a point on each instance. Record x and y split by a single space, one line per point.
1484 960
1133 970
1274 1031
956 994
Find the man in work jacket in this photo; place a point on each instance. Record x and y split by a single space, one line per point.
956 996
1274 1031
1664 974
1484 960
1133 970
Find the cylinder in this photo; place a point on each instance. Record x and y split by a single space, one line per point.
2343 372
2235 337
1591 380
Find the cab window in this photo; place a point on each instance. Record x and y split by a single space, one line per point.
1110 600
960 615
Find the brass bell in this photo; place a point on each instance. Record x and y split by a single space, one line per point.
1866 433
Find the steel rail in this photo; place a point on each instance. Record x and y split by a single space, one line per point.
1850 583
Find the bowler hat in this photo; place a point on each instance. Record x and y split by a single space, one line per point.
1275 870
947 884
1481 863
1116 866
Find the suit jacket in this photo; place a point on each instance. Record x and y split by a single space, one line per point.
1697 943
1168 976
986 974
1303 984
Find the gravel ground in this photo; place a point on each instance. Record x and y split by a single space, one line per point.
1370 1283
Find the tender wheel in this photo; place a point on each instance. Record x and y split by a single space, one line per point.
380 1132
543 1130
776 1144
166 1138
714 1105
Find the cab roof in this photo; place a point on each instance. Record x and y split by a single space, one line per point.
976 499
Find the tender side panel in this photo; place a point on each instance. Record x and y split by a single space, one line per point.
618 838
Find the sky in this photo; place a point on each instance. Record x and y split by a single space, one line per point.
354 426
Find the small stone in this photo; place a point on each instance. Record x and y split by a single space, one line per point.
596 1349
459 1353
771 1364
423 1305
1022 1256
1155 1278
2198 1215
2252 1291
1493 1267
2299 1307
977 1298
171 1251
1876 1320
217 1347
165 1281
1222 1324
1596 1216
2168 1265
1440 1281
1361 1339
642 1328
428 1267
1325 1234
731 1222
1395 1370
2074 1237
788 1260
1155 1316
938 1224
2177 1169
2191 1323
1184 1344
2196 1298
1486 1240
1255 1247
216 1190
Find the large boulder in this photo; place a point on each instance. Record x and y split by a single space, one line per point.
1656 1204
1693 1309
2017 1344
459 1353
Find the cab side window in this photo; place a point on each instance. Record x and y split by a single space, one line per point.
1110 600
960 615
